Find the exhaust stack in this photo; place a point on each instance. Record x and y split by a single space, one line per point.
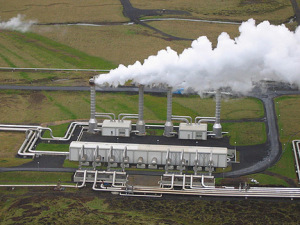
169 125
217 128
140 125
93 121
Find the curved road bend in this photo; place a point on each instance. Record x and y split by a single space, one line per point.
134 15
273 143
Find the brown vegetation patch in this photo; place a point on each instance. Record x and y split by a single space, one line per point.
53 11
10 143
36 97
49 207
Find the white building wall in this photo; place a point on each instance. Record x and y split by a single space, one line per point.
219 155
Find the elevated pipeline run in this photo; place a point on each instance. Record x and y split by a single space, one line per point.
193 185
34 133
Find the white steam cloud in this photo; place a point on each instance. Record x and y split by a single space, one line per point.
260 52
17 23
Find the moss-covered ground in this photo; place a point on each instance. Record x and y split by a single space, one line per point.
45 206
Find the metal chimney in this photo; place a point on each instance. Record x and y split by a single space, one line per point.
93 121
140 125
169 125
217 128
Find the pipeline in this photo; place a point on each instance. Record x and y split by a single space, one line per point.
201 117
47 185
104 116
121 115
33 133
296 150
187 119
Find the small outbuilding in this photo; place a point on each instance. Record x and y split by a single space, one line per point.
121 128
192 131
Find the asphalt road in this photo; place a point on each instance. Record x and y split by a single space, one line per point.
135 14
274 149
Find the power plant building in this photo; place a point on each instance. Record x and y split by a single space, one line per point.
120 128
192 131
148 154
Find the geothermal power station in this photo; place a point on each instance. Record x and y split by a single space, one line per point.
111 149
117 142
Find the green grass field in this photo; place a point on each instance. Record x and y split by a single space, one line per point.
69 11
21 177
288 115
10 162
45 107
234 10
34 51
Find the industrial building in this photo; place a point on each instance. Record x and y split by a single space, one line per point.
150 155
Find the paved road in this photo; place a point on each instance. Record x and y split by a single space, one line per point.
135 14
273 142
296 10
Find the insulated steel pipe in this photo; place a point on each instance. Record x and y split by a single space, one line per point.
93 121
169 125
140 125
217 128
186 119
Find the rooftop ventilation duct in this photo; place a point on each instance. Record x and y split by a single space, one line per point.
93 121
140 125
169 125
217 128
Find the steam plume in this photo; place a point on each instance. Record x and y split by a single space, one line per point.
17 23
262 51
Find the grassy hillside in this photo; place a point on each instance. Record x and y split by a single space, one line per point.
54 11
288 117
34 51
278 11
40 107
